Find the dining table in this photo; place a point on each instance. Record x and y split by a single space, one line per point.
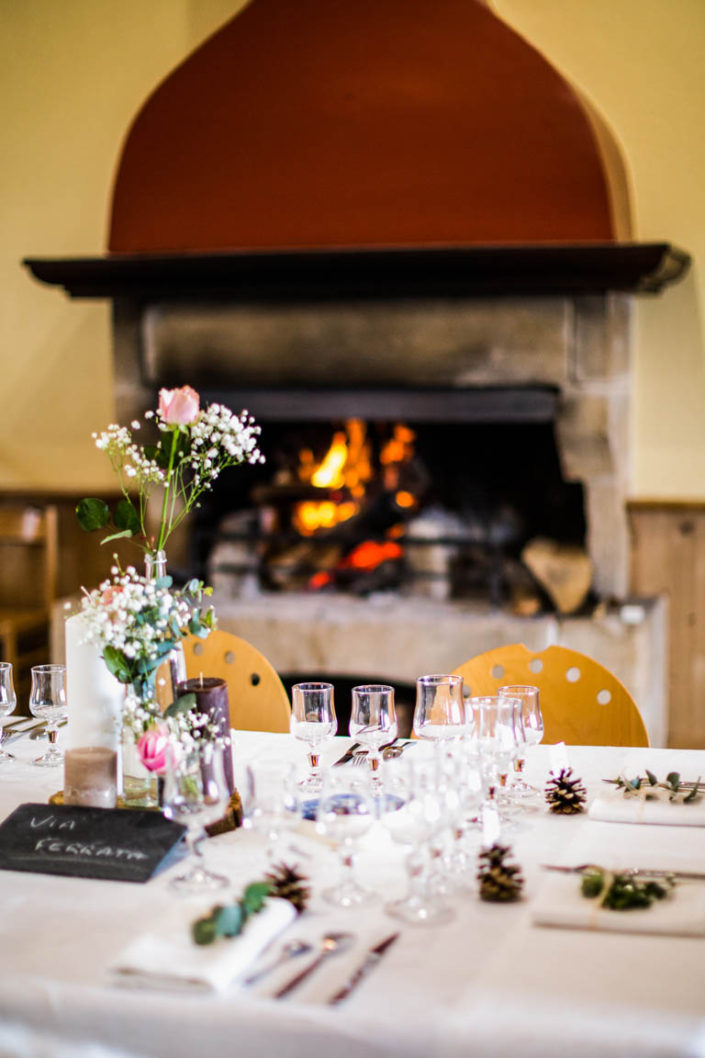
493 981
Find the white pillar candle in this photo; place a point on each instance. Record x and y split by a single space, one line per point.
94 696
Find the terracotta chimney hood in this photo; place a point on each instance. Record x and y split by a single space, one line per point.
347 143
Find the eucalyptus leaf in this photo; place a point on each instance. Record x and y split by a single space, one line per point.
182 704
203 931
228 921
92 514
651 777
673 779
254 896
117 536
117 664
125 516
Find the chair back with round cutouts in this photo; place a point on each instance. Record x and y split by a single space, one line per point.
582 702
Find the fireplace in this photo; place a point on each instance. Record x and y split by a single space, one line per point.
374 228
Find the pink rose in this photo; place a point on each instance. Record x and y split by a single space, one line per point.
179 407
155 750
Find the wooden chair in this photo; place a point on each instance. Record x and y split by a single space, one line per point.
257 697
582 702
28 565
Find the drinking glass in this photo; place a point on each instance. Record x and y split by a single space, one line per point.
531 729
373 723
440 707
313 721
47 700
8 702
345 812
412 810
497 726
270 801
196 794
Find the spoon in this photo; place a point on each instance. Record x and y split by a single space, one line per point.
289 951
330 944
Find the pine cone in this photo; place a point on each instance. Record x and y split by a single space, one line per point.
288 884
500 882
230 821
564 794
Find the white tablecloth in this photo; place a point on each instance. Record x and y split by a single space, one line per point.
488 984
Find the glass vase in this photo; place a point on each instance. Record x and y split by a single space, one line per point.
139 784
172 671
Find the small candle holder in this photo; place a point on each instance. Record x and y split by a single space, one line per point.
90 776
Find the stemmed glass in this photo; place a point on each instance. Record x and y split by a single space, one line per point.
413 811
313 721
196 794
346 812
497 735
270 801
373 723
440 707
8 702
47 700
532 729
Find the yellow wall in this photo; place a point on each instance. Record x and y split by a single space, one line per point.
74 72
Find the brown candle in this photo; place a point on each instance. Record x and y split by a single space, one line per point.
90 776
212 700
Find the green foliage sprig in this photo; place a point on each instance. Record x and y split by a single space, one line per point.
228 920
623 891
648 786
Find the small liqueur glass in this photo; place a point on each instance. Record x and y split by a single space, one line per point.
345 812
196 794
440 707
8 703
373 723
314 722
47 701
497 726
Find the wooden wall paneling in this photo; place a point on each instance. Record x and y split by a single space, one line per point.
668 558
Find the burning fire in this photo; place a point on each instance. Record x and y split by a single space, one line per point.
346 471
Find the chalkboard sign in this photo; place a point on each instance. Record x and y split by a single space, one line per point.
114 843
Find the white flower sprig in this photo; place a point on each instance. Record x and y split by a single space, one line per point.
193 447
138 621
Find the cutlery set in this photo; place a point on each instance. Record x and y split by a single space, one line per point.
31 726
356 754
331 944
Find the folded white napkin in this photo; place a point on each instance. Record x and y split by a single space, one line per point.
168 958
561 903
615 807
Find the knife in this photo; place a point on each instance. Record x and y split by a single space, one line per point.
636 872
348 755
367 964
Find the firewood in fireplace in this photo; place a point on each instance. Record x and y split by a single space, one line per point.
564 571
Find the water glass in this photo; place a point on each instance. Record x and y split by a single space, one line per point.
440 707
196 794
497 727
373 722
270 801
413 810
47 700
314 722
8 703
346 811
532 728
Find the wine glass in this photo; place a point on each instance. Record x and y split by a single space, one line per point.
412 810
196 794
8 702
47 700
313 721
345 812
497 734
440 707
270 800
373 722
532 729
